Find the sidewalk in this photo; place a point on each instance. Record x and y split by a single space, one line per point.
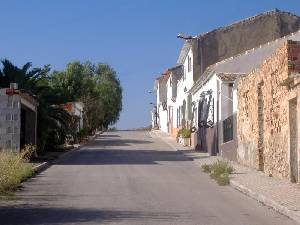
278 194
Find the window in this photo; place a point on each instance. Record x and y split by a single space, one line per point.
8 117
189 64
15 117
9 130
228 129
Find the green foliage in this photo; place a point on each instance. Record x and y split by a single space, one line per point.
82 134
96 86
14 168
219 171
223 179
53 121
220 167
184 132
27 151
206 168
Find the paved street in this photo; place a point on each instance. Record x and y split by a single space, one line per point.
133 178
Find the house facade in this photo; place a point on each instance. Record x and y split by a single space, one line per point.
215 102
18 119
218 92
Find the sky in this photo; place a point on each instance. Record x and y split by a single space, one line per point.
136 37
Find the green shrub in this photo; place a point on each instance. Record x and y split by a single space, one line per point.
220 167
223 179
179 133
219 171
184 132
206 168
83 133
14 168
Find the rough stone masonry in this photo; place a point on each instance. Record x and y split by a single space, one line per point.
268 114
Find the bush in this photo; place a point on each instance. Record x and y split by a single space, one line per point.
223 179
219 171
14 168
206 168
185 133
220 167
83 133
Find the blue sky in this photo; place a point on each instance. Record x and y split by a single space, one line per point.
136 37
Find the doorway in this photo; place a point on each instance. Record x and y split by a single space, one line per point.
261 125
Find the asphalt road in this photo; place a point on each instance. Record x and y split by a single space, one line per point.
129 178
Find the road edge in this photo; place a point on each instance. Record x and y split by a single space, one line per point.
45 165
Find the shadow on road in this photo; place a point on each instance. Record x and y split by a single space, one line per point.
58 215
108 140
117 157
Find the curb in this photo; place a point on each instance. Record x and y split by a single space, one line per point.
266 201
41 167
45 165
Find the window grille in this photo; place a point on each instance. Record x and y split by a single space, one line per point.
228 129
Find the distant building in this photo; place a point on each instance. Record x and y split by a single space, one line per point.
75 109
18 119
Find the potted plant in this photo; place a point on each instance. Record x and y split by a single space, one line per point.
184 136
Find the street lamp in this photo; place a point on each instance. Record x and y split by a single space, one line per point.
181 36
199 44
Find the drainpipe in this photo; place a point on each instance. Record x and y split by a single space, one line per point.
218 119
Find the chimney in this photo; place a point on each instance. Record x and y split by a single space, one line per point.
14 86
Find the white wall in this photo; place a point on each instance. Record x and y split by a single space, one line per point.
211 84
170 103
163 119
189 81
226 101
183 85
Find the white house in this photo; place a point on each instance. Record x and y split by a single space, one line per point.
175 74
185 82
161 101
76 110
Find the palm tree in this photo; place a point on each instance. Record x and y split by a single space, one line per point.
53 121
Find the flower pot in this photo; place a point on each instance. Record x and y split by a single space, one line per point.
185 141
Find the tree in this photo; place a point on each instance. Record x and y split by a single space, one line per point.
52 120
96 86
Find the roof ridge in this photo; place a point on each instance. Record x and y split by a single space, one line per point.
247 20
253 49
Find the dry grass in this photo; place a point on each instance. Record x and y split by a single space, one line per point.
14 168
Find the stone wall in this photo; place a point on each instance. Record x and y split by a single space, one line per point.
263 112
